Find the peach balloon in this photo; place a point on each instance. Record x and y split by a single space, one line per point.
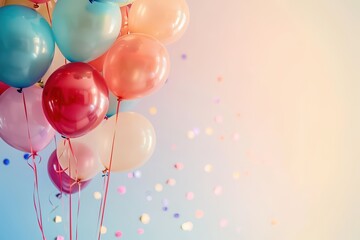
135 66
165 20
42 9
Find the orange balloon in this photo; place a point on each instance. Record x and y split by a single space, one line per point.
42 9
165 20
135 66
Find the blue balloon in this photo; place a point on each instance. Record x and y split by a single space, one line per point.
26 46
125 105
85 30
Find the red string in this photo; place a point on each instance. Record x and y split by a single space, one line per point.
78 210
36 195
48 11
109 170
102 200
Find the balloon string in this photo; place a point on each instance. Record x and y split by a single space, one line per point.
109 170
36 195
102 200
48 11
78 210
70 212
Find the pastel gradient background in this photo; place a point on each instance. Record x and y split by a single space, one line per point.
265 94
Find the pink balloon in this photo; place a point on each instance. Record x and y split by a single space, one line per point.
14 126
60 179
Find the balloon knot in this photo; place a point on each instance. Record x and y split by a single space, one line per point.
105 172
106 117
91 1
63 137
36 5
20 90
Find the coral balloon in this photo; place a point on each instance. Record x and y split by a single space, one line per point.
60 179
13 124
42 8
166 20
3 87
26 46
98 63
75 99
134 142
84 30
135 66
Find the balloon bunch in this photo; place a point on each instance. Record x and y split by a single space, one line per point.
69 66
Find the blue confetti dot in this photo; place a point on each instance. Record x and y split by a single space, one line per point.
6 161
26 156
165 209
176 215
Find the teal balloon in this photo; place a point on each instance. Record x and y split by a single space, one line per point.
26 46
85 30
125 105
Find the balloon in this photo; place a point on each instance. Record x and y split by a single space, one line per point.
85 30
75 99
60 179
80 160
166 20
3 87
135 66
119 2
13 125
39 1
134 142
98 62
58 61
126 105
26 46
42 8
124 21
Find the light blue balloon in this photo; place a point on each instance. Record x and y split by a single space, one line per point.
84 30
125 105
26 46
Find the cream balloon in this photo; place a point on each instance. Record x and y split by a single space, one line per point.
80 161
165 20
58 61
134 141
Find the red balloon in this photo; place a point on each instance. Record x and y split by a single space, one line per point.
75 99
3 87
135 66
60 179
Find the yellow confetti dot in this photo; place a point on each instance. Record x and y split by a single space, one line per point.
208 168
209 131
190 135
236 175
187 226
58 219
145 218
97 195
103 230
274 222
158 187
153 110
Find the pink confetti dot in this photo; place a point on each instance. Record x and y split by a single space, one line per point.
179 166
216 100
218 190
60 238
236 136
199 214
118 234
121 189
190 196
223 223
171 182
130 175
218 119
140 231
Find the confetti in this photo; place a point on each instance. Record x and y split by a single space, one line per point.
216 100
190 196
165 202
145 218
209 131
149 198
190 135
130 175
97 195
121 190
208 168
219 79
218 190
218 119
57 219
179 166
199 214
6 161
236 175
137 174
165 209
140 231
176 215
223 223
236 137
103 230
187 226
153 111
171 182
60 238
26 156
118 234
183 56
196 131
158 187
273 222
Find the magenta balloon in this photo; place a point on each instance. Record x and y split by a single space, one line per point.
13 125
60 179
